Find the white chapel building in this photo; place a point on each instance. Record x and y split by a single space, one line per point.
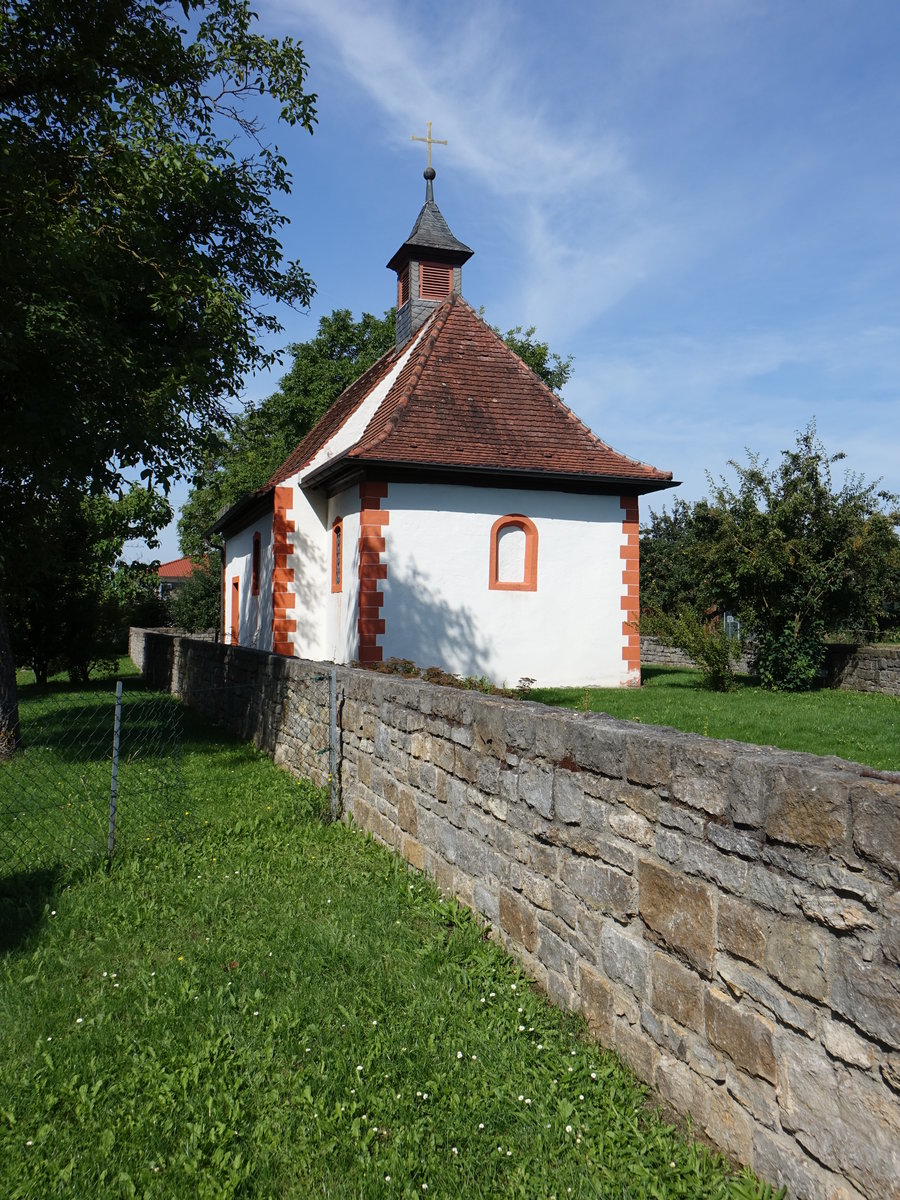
448 508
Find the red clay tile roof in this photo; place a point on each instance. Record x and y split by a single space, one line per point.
465 401
178 568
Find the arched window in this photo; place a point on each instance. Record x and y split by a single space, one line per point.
254 565
337 555
514 549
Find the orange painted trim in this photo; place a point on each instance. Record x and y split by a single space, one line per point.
372 545
283 577
528 527
631 575
337 555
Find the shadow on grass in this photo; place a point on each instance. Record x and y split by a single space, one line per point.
23 899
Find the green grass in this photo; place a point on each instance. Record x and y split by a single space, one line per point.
267 1006
862 727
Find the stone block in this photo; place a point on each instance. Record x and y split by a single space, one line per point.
677 991
636 1050
702 774
742 930
868 995
602 886
728 1127
625 959
631 826
757 1096
842 1042
844 1118
745 1036
746 843
648 757
568 797
876 822
518 919
726 870
797 956
808 806
488 775
597 1003
836 912
537 889
682 819
680 911
890 941
536 788
595 744
408 813
681 1090
554 953
778 1159
745 981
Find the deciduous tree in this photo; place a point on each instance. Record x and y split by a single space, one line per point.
140 241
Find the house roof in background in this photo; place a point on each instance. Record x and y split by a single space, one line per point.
178 568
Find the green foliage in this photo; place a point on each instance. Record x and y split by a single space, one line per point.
139 251
791 552
262 438
70 604
706 641
196 604
858 726
167 1032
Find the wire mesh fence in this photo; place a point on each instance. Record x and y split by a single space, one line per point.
96 772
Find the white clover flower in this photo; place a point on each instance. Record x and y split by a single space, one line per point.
459 1054
453 1150
481 1124
521 1097
359 1068
78 1020
492 994
424 1095
568 1129
593 1074
387 1179
521 1029
527 1100
29 1142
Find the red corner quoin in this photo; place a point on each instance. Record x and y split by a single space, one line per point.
372 520
631 650
283 599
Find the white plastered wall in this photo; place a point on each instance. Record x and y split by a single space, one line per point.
343 609
440 610
255 611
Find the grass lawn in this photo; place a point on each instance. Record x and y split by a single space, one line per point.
863 727
265 1005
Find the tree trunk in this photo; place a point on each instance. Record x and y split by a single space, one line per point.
10 736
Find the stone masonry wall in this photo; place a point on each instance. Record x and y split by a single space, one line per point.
864 668
726 917
853 668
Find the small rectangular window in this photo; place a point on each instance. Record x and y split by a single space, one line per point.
254 572
337 555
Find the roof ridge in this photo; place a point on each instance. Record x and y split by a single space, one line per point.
438 321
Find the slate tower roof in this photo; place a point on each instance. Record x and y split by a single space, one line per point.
428 265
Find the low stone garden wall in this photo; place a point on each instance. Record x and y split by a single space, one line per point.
726 917
851 667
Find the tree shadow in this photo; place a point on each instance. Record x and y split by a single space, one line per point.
425 628
23 901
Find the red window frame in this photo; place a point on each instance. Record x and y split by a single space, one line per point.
529 581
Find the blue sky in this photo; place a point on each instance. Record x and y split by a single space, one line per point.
696 199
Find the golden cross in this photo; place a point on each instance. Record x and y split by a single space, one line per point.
429 140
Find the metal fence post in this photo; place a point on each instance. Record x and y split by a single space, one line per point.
335 762
114 783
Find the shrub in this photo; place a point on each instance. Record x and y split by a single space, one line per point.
707 642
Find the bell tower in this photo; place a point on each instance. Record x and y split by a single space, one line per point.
428 264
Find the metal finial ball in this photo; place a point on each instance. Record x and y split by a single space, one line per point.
430 173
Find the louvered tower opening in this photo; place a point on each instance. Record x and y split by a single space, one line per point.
435 280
